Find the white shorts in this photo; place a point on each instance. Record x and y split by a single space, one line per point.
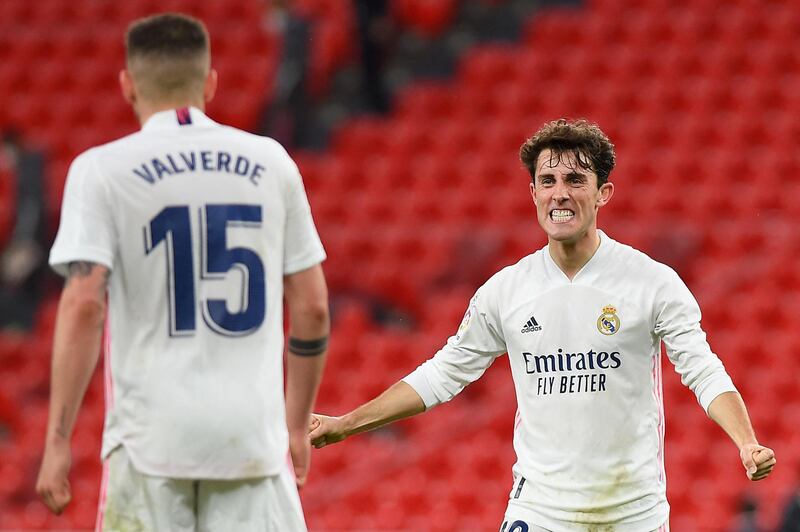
130 500
518 519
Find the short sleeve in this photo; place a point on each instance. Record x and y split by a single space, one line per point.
302 246
86 231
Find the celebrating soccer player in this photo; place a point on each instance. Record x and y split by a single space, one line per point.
196 231
582 321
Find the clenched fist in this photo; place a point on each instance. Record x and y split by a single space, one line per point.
758 461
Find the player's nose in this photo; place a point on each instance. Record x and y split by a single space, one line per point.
560 192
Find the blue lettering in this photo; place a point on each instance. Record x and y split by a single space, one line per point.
602 357
528 369
518 526
145 174
160 167
242 166
191 162
209 160
224 161
172 164
256 175
205 156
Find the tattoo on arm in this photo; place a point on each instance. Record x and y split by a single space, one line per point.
84 269
80 269
61 428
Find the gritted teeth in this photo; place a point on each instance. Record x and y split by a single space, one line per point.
561 215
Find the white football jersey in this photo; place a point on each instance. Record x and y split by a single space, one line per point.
585 358
198 223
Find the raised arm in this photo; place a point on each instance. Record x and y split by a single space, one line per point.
309 325
76 346
398 402
728 410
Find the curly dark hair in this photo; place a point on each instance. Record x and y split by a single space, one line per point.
591 147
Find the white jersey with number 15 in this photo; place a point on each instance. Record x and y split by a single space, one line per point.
198 223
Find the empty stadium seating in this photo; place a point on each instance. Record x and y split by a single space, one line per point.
417 209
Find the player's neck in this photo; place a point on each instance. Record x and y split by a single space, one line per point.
144 110
571 256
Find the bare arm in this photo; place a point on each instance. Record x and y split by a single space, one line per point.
76 346
729 412
398 402
307 300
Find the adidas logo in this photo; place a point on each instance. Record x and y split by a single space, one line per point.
531 326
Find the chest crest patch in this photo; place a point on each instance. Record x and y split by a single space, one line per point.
608 323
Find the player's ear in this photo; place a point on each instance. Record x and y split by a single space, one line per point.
533 192
210 86
605 193
126 86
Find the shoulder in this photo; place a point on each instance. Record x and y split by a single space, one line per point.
643 278
110 154
634 263
268 150
114 148
85 164
266 145
509 279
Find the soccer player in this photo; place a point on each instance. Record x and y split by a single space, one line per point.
197 232
582 321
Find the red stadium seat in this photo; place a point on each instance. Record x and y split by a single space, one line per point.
418 208
427 16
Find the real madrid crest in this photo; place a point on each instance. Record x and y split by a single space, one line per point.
608 322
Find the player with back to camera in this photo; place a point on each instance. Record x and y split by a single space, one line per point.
582 321
197 231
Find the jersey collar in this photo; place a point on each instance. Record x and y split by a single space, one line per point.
602 250
177 118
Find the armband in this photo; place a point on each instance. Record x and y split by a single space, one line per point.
308 348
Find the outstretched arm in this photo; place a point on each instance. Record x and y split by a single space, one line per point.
398 402
728 410
463 360
76 346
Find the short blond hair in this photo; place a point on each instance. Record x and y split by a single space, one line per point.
168 56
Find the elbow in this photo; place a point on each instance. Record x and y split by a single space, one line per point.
312 316
317 314
86 309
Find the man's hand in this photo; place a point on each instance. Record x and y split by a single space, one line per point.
52 484
398 402
325 430
758 460
300 449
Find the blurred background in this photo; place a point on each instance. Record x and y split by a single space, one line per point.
405 117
